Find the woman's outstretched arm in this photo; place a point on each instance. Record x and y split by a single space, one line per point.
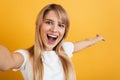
78 46
9 60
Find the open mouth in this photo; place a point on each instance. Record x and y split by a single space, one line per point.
51 38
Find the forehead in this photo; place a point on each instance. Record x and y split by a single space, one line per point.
53 16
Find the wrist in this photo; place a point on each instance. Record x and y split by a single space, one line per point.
100 38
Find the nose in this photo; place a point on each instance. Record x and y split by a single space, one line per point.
54 28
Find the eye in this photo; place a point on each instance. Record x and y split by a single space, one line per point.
49 22
61 25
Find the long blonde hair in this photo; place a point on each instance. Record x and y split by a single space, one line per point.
36 51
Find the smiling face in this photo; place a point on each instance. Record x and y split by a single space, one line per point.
52 30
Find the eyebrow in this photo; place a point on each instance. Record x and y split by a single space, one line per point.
52 20
48 20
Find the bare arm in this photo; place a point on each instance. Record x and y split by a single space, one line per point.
86 43
8 60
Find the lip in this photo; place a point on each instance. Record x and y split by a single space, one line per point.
51 35
51 38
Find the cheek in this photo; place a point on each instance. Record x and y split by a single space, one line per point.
62 32
41 32
43 29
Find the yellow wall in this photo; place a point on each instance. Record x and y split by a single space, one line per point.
88 18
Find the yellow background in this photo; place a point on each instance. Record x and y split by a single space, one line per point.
88 18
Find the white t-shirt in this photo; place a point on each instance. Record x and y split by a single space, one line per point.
52 66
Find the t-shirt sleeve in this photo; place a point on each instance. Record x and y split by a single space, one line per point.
69 48
25 55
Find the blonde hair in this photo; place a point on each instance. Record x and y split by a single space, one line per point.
36 51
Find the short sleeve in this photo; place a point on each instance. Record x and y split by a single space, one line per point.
69 48
25 55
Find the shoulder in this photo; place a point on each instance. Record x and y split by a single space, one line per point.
21 51
68 48
25 54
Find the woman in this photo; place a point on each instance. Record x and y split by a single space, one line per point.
49 57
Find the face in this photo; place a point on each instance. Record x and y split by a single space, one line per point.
52 30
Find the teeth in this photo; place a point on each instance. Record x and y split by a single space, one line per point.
52 36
